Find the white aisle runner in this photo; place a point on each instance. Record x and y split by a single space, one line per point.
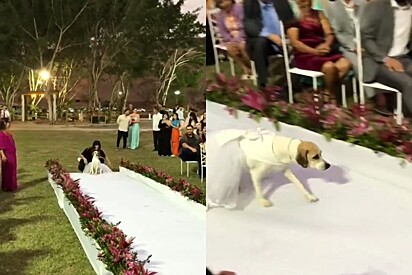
362 225
175 238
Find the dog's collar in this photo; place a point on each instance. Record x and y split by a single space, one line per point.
289 144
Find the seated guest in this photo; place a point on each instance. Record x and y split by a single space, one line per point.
230 26
385 32
189 146
87 155
343 14
312 39
321 5
263 35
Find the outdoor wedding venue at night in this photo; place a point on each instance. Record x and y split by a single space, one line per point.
97 100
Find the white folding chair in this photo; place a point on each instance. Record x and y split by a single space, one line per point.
202 162
312 74
398 115
187 166
216 38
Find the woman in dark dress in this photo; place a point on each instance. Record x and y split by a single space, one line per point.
165 136
87 155
314 48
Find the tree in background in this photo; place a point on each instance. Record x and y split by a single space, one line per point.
122 39
10 83
38 32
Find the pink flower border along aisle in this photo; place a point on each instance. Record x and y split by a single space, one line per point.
115 249
356 125
180 191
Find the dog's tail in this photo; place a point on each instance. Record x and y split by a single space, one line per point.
225 165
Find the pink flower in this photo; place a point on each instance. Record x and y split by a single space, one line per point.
255 100
360 129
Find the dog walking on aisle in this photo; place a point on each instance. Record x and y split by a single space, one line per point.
231 152
95 164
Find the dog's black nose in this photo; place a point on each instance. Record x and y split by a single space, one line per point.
327 165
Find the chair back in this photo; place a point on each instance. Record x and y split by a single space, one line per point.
359 61
286 60
214 32
284 45
203 154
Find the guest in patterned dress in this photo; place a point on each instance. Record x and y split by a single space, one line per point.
230 25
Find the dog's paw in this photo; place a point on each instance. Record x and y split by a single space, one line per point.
265 202
312 198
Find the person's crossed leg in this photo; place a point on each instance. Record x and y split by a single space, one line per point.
397 73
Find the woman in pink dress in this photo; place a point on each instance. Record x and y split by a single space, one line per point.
8 160
314 48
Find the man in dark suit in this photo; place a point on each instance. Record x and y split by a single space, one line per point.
385 32
262 28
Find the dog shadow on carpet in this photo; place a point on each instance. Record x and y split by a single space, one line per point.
335 174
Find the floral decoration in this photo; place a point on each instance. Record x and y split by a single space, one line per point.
357 124
115 248
179 185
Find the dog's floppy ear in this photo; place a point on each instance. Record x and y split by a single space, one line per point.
302 156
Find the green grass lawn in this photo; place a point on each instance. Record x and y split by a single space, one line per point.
35 235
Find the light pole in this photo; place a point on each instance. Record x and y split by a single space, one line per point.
177 93
44 75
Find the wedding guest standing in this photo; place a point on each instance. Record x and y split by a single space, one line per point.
5 115
192 119
8 158
165 126
175 134
157 117
181 114
123 121
135 131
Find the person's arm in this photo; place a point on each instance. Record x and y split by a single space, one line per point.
109 163
137 120
187 146
82 155
327 29
251 22
293 34
118 120
369 23
3 156
346 39
221 26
